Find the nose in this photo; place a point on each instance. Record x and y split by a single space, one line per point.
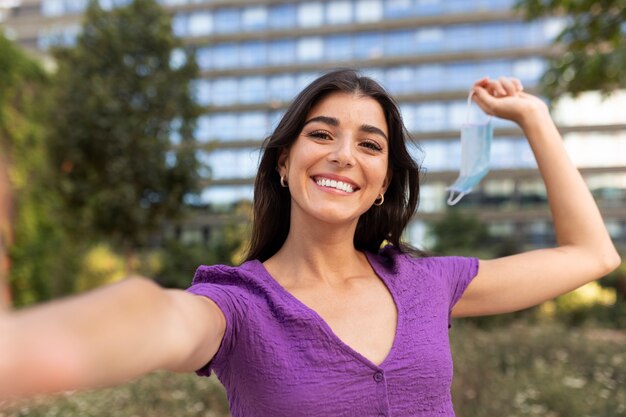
342 153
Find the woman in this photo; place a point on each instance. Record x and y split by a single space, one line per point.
317 320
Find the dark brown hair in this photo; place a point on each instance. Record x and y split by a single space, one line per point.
272 203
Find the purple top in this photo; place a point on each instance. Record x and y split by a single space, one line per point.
279 358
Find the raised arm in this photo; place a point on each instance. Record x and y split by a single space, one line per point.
105 338
584 250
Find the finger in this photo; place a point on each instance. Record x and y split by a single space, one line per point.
518 84
484 99
483 82
508 85
497 89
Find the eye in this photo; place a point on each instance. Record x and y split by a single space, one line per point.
319 134
371 145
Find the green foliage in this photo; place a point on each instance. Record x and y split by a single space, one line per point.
459 234
516 371
594 39
40 255
522 370
121 94
617 280
179 261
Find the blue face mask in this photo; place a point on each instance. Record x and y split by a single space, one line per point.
475 152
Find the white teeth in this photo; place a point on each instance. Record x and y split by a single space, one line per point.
339 185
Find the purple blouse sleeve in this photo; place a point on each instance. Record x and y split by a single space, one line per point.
460 272
230 303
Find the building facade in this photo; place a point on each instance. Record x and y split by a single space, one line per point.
256 55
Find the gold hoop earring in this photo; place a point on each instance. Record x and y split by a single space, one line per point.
283 182
379 200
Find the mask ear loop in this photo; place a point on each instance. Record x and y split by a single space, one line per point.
452 200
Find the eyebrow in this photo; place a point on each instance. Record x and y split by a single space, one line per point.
332 121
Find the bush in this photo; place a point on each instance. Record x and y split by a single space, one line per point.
514 371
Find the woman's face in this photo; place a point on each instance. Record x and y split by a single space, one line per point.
339 163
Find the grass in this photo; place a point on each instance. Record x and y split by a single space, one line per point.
514 371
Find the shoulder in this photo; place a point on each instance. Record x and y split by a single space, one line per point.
396 261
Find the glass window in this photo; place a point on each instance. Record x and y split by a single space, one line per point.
179 24
252 90
282 87
529 71
310 14
368 45
223 126
553 27
459 6
398 8
254 18
400 80
282 52
75 6
442 155
231 163
368 10
52 7
221 195
461 76
409 117
178 58
202 132
282 16
310 49
426 7
200 23
303 79
226 21
225 55
275 118
202 92
225 91
428 40
252 126
493 69
399 43
253 54
339 12
203 57
596 149
430 117
457 114
462 37
339 48
499 36
429 77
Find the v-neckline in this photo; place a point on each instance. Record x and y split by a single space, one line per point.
325 327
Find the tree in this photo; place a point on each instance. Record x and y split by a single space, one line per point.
459 234
594 39
121 95
34 242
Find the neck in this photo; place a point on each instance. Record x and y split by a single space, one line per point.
318 251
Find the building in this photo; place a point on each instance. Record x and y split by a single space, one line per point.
256 55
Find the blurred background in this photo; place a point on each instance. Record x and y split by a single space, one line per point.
131 134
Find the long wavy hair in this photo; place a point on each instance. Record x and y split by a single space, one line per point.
272 203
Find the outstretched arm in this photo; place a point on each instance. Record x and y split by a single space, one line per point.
584 249
106 337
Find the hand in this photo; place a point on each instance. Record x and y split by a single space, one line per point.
505 98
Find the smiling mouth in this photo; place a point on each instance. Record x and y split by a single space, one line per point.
337 185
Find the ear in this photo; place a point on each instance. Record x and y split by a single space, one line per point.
282 165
